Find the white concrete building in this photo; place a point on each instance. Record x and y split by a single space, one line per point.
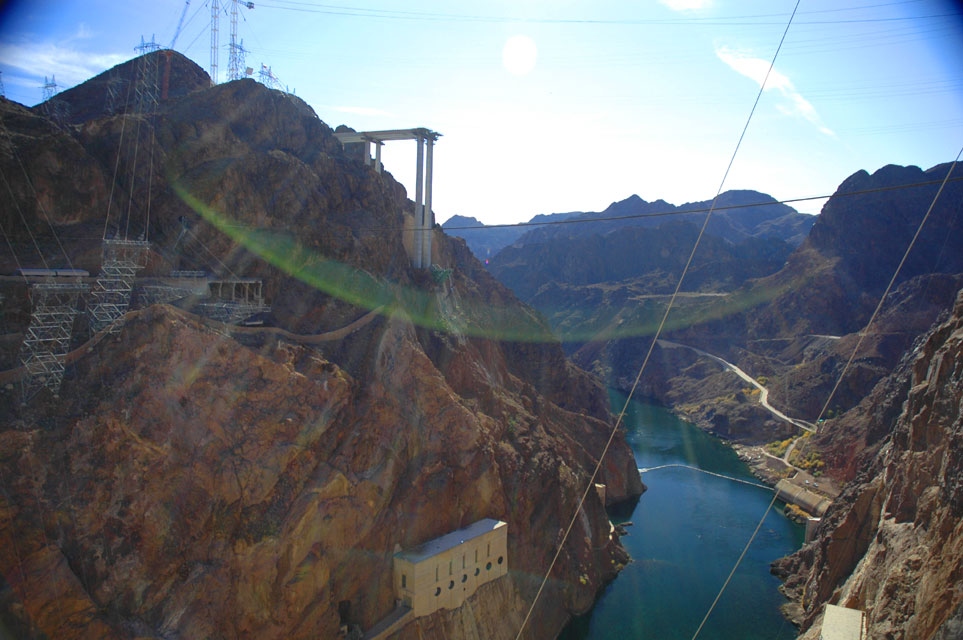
840 623
442 573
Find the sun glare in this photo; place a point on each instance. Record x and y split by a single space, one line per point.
519 54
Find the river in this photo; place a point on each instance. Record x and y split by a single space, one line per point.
689 529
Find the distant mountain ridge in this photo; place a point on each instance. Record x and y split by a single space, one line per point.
486 241
738 214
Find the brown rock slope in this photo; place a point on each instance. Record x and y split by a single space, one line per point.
196 482
892 544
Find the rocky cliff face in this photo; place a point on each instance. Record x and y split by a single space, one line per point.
195 480
892 544
795 327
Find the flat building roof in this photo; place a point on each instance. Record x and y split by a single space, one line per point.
451 540
840 623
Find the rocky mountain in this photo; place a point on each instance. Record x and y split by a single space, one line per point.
197 479
739 214
487 240
648 260
636 248
892 544
796 326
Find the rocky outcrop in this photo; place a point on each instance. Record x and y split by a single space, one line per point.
796 327
195 481
649 260
892 544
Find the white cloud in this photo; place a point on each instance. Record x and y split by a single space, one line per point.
69 66
83 32
363 111
685 5
756 68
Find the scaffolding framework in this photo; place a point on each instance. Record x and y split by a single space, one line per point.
149 294
47 339
215 14
110 296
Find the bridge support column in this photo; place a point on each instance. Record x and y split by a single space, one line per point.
429 216
419 206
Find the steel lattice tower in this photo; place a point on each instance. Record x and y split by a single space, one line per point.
147 86
49 88
47 340
235 65
113 92
110 296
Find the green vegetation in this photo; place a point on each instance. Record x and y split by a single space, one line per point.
808 461
778 448
439 274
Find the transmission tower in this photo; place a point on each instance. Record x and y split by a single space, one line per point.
3 92
54 108
215 13
110 297
146 87
236 69
47 339
49 88
235 65
113 92
266 77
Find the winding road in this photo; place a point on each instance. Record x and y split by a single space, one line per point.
763 391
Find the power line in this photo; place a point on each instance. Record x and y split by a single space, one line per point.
872 318
659 214
742 555
390 14
591 482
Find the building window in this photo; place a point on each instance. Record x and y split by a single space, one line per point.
500 559
451 563
464 577
437 591
451 584
476 555
404 581
463 561
436 573
477 571
489 550
488 567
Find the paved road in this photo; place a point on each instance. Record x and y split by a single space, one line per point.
763 392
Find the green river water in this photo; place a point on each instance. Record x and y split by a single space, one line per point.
689 529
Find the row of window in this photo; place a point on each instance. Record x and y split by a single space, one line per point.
464 577
464 561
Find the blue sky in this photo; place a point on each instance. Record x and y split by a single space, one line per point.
593 100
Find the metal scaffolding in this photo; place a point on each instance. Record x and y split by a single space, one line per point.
47 340
149 294
110 296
